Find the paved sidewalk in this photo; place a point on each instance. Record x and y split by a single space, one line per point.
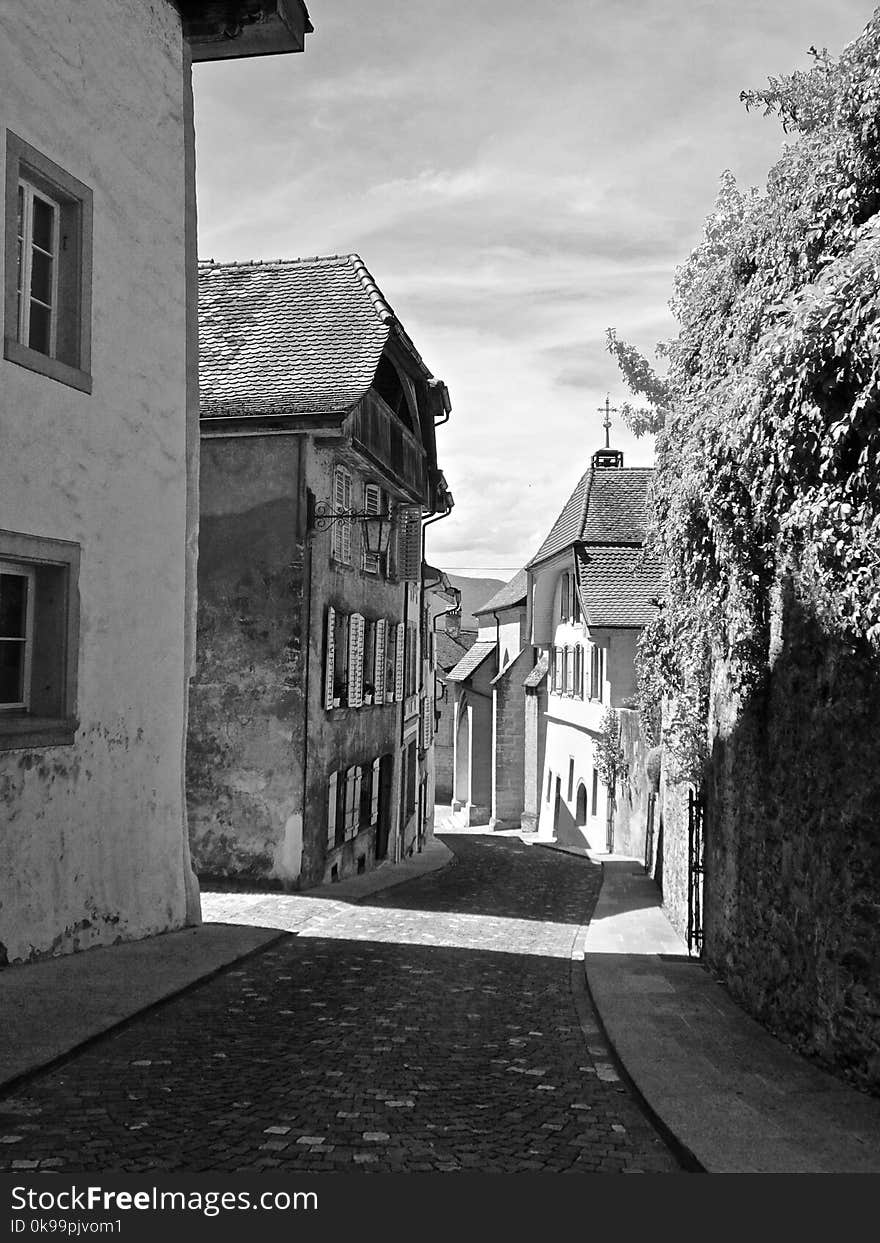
51 1007
735 1097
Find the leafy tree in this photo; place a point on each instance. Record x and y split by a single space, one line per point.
768 416
608 754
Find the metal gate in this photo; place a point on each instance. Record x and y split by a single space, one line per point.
696 849
649 832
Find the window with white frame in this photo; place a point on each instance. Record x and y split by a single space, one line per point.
39 640
48 248
343 492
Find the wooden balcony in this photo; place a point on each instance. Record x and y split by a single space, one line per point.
378 433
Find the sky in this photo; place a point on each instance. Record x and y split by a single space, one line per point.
517 177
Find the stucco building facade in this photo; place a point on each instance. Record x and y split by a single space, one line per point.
309 729
99 471
556 649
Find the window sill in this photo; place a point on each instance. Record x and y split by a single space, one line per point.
20 732
73 377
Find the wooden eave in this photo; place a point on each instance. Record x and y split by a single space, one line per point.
229 29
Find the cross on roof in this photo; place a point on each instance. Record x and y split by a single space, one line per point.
608 410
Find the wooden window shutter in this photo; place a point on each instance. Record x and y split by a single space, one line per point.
379 671
330 660
409 542
342 504
331 809
426 723
352 801
398 660
374 794
356 660
372 505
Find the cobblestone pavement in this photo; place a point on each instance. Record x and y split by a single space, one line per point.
439 1025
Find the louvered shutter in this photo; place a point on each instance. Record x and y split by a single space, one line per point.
356 801
398 661
426 723
374 794
330 659
331 810
342 505
372 505
409 542
379 671
355 660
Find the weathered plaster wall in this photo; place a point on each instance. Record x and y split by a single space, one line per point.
344 736
793 852
247 708
93 841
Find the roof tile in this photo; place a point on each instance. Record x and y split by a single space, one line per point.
608 506
471 662
617 584
290 336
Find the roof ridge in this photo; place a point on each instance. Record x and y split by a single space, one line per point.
302 261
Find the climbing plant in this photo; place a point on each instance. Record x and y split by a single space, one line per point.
768 415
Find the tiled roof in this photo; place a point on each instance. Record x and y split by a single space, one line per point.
539 673
616 585
290 336
608 506
471 662
450 649
511 593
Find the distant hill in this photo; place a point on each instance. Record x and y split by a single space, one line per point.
475 592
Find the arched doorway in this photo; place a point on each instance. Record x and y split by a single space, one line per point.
581 808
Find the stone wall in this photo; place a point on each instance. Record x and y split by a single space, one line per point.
631 803
508 742
793 849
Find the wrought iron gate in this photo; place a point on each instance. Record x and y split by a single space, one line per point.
649 832
696 849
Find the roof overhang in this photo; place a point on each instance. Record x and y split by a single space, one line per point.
227 29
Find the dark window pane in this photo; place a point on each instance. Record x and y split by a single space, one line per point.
44 221
41 277
13 605
11 672
39 336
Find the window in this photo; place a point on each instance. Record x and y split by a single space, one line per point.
39 640
594 802
570 777
342 503
597 672
549 785
569 670
48 248
558 669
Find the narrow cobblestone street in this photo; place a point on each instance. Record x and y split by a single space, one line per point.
438 1026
